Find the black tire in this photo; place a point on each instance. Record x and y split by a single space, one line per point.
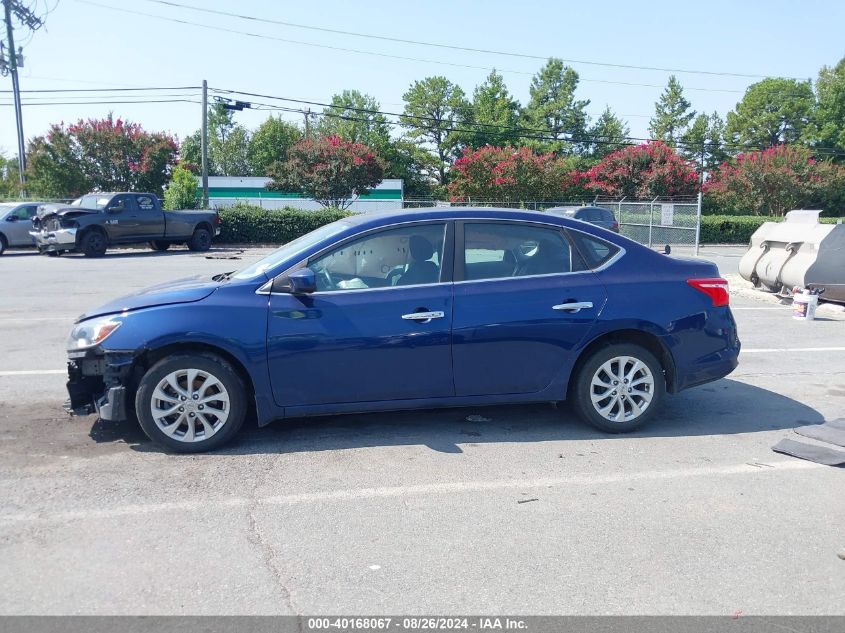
159 245
53 253
93 243
582 388
210 364
3 244
200 240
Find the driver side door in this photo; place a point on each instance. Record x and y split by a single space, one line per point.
376 329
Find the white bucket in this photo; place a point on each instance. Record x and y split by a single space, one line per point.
804 306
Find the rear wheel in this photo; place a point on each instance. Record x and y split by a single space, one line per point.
200 240
3 244
93 244
191 403
618 387
159 245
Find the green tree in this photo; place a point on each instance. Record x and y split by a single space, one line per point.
703 142
270 143
228 145
830 111
181 192
9 177
608 134
433 108
672 114
772 111
553 110
494 114
99 155
354 116
406 160
327 169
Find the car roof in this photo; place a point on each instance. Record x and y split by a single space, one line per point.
454 213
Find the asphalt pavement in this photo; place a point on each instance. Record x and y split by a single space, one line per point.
524 511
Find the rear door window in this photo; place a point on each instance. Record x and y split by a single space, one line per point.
505 250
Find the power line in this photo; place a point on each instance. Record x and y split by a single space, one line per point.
385 55
517 132
63 90
57 103
455 47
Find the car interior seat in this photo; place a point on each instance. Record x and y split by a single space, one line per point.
421 270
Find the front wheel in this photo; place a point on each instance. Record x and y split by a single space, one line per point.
93 244
191 403
200 240
618 387
3 244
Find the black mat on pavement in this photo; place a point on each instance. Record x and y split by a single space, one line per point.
832 432
811 452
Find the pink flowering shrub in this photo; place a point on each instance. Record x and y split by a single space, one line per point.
100 155
644 172
328 169
774 181
508 175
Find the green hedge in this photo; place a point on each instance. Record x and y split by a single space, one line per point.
735 229
249 224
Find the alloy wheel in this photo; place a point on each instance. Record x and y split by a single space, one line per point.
190 405
622 389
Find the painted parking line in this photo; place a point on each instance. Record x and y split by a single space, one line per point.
33 372
753 469
779 350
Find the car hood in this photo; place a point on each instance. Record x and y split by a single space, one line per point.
187 290
46 210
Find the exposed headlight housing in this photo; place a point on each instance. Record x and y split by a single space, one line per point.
91 332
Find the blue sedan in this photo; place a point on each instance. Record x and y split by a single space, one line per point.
405 310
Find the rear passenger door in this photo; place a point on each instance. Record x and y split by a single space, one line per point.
522 304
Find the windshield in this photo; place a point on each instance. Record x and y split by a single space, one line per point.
6 207
290 249
91 202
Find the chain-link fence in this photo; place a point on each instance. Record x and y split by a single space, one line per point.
655 222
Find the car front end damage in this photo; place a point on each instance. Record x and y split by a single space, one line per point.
54 228
98 383
98 378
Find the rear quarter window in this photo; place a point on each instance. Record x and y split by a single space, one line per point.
145 203
594 251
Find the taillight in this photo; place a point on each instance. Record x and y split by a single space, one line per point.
715 288
217 220
616 227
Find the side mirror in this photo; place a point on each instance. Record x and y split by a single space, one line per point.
114 209
302 282
12 218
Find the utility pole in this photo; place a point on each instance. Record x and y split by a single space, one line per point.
307 114
16 89
204 144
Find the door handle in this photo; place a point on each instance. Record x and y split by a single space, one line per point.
574 306
423 316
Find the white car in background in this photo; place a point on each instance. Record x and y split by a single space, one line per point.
16 223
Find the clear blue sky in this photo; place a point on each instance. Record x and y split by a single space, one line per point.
85 46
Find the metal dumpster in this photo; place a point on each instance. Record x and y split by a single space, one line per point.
797 252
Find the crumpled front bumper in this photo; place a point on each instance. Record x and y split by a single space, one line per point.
99 382
58 240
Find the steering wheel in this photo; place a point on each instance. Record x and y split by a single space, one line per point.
323 279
